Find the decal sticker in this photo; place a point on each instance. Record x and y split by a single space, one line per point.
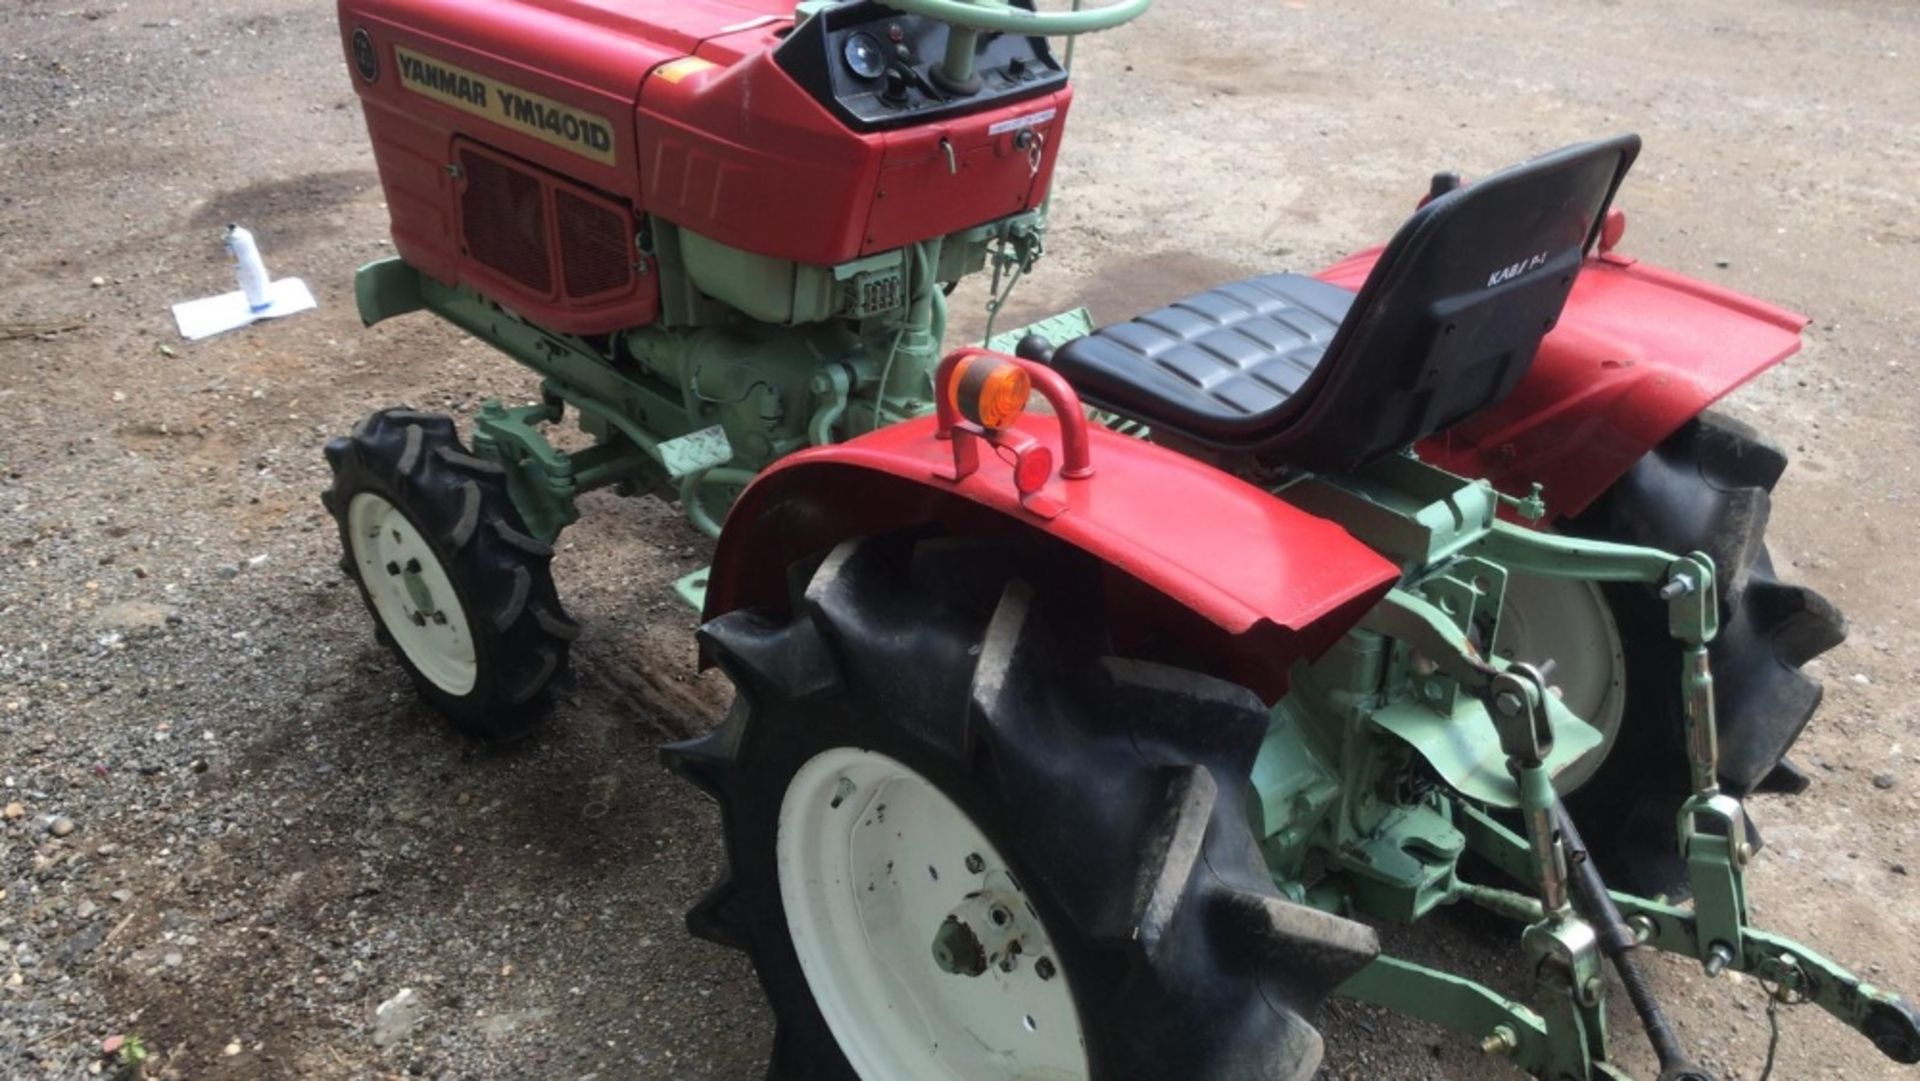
564 126
1018 123
679 69
365 60
1509 273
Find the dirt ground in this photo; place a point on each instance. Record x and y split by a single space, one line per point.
261 834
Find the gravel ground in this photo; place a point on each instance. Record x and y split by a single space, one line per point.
231 831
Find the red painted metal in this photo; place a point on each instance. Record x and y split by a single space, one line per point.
707 132
1204 568
1638 352
787 179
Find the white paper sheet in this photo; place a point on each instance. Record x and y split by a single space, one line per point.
229 311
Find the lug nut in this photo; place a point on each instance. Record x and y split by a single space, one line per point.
1501 1042
976 863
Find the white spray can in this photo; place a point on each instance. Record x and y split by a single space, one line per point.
248 267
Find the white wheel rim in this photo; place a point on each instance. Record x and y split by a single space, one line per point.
1568 622
873 862
411 593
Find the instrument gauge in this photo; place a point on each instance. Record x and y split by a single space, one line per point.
864 56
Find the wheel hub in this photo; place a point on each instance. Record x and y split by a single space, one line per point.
986 930
412 593
920 946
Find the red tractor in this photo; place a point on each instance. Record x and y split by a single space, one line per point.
1092 739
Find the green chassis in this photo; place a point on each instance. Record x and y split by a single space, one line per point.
1491 729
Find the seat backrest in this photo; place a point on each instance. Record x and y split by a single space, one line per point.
1453 312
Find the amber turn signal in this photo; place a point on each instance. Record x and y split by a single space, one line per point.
989 391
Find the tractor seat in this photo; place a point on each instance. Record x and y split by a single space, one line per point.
1221 365
1299 373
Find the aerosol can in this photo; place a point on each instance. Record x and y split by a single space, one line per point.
248 267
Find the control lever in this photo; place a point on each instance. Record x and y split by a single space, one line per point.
894 91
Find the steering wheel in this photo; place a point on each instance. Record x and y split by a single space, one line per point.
1000 18
967 21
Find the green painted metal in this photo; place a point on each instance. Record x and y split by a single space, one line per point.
1057 329
692 589
1502 1027
385 288
752 359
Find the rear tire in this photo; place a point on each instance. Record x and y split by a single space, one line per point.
1109 799
458 590
1706 488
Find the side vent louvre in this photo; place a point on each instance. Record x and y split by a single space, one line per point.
503 214
596 247
552 238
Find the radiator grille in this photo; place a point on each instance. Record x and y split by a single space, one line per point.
503 216
594 246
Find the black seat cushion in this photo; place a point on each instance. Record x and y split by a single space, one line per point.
1222 365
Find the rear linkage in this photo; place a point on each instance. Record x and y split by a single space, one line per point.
1576 921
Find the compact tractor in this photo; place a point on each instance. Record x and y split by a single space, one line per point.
1100 692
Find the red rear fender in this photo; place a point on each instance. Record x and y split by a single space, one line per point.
1638 352
1202 569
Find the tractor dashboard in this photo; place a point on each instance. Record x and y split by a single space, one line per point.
877 68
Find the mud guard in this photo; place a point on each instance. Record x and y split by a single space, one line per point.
1199 567
1638 352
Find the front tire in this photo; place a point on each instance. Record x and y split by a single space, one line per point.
458 590
926 742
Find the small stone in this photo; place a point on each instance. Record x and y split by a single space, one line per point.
15 810
98 282
86 910
395 1018
106 850
174 960
231 1049
1861 679
198 765
62 826
122 896
112 1045
1898 868
1883 780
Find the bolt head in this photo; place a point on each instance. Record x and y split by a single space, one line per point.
976 863
1508 704
1043 968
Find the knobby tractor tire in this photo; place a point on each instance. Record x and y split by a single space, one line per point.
1704 489
458 504
1115 790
